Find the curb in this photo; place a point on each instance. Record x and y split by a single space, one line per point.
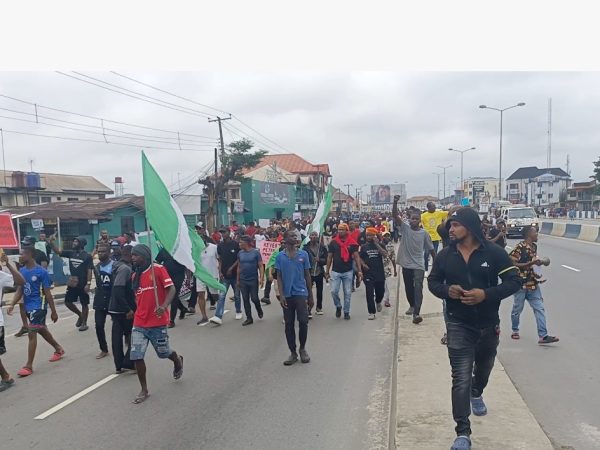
581 232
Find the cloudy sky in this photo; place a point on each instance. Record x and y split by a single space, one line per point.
371 127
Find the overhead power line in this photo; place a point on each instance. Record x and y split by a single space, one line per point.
105 120
135 97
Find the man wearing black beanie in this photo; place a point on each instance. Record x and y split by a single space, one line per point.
465 274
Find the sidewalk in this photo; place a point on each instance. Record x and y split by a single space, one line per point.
424 410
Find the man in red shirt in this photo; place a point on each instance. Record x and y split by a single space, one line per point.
354 231
251 229
151 316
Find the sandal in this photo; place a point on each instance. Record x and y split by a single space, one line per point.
141 398
387 304
57 356
515 336
24 372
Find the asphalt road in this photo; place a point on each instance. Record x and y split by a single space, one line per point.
560 383
235 393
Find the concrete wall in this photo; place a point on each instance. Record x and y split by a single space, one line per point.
582 232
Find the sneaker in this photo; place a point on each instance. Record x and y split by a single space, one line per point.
461 443
417 319
310 316
319 312
191 311
304 356
409 311
261 314
202 321
212 307
22 332
216 320
247 322
346 316
338 312
171 325
83 327
79 322
238 316
101 355
478 406
371 316
379 307
265 301
5 384
292 359
548 340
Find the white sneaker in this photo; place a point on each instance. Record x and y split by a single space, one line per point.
238 316
215 320
371 316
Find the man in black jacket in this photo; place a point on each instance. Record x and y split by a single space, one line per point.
121 307
318 258
465 275
103 275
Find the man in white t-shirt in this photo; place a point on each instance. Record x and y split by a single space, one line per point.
13 278
209 259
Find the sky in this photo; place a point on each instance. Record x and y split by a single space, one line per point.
370 127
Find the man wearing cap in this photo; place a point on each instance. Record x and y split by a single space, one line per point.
343 252
154 292
80 281
465 274
415 241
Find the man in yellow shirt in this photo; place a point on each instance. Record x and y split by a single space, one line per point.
430 220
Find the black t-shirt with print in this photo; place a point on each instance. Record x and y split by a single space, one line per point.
80 263
372 258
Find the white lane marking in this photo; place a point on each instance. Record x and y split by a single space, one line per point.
59 319
206 323
76 397
570 268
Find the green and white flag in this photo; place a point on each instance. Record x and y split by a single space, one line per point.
318 222
170 228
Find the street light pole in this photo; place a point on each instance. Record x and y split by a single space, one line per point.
444 169
347 202
501 111
438 180
462 153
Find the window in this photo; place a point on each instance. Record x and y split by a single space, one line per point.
58 199
540 184
127 224
46 199
72 199
514 186
235 194
550 195
551 183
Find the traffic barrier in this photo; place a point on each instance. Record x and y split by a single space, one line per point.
559 229
546 227
572 230
590 233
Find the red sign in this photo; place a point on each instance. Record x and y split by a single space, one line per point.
266 249
8 237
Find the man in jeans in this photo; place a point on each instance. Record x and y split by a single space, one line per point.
154 292
250 265
465 274
295 295
415 241
525 257
227 251
343 251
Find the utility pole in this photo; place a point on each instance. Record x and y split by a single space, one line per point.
347 202
444 169
215 190
549 157
438 182
218 120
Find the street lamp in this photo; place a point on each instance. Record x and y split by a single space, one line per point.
462 152
501 111
444 169
438 181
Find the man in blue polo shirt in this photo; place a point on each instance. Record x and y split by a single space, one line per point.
295 294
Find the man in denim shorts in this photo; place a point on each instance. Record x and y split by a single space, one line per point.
151 316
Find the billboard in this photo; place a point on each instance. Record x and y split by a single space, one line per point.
274 193
384 193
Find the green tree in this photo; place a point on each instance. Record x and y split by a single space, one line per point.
596 176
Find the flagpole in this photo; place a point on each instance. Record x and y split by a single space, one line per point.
148 230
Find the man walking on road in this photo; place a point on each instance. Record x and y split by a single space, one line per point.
388 264
154 292
228 265
318 256
103 274
343 251
372 255
525 257
250 268
295 295
414 243
36 307
465 275
78 286
430 220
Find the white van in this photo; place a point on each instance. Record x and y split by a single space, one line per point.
518 217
